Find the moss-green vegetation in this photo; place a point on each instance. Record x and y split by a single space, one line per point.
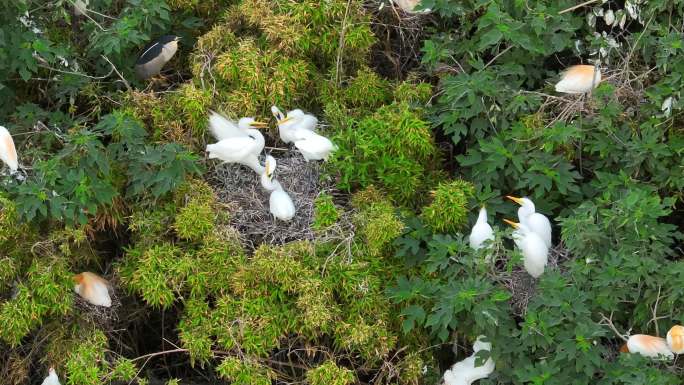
448 211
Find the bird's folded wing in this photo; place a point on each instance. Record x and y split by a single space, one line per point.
314 143
233 148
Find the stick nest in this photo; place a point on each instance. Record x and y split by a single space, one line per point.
239 189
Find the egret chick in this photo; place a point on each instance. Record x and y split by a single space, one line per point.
579 79
298 127
294 120
535 221
8 153
52 378
93 288
675 339
482 231
280 203
155 56
647 346
534 250
465 372
241 144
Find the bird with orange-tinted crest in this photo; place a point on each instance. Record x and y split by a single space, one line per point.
675 339
579 79
93 288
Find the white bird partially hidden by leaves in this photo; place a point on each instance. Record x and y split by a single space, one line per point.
237 143
93 288
8 153
482 231
647 346
298 128
579 79
534 250
81 7
465 372
52 378
280 203
535 221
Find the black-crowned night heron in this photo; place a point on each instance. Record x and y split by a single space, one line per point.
156 55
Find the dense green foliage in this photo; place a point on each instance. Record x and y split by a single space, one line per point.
113 180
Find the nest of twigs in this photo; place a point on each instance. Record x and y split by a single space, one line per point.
239 188
523 286
105 317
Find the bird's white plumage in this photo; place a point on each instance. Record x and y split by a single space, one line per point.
534 250
80 7
242 145
313 146
579 79
8 153
93 289
535 221
52 378
481 232
280 203
294 124
649 346
465 372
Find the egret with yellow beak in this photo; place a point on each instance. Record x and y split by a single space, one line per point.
535 221
466 372
280 203
298 128
534 250
241 143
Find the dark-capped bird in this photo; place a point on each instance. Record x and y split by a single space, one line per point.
156 55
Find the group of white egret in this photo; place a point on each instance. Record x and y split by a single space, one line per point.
532 235
243 143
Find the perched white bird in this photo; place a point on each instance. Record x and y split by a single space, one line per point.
579 79
647 346
675 339
298 128
93 288
409 5
8 153
280 203
535 221
465 372
534 250
239 143
482 231
52 378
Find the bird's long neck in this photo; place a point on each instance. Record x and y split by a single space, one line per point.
258 137
482 217
270 184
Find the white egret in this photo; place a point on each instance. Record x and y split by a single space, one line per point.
535 221
465 372
237 144
482 231
280 203
647 346
298 128
579 79
52 378
534 250
409 6
675 339
81 7
93 288
8 153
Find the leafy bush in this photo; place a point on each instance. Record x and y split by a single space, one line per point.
448 211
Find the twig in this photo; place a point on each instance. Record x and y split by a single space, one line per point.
338 64
128 86
497 56
609 323
577 6
654 311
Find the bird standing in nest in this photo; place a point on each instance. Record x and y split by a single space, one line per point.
155 56
93 288
535 221
298 128
534 250
280 203
579 79
481 232
237 143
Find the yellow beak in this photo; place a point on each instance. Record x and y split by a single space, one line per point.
259 124
286 119
515 199
514 224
